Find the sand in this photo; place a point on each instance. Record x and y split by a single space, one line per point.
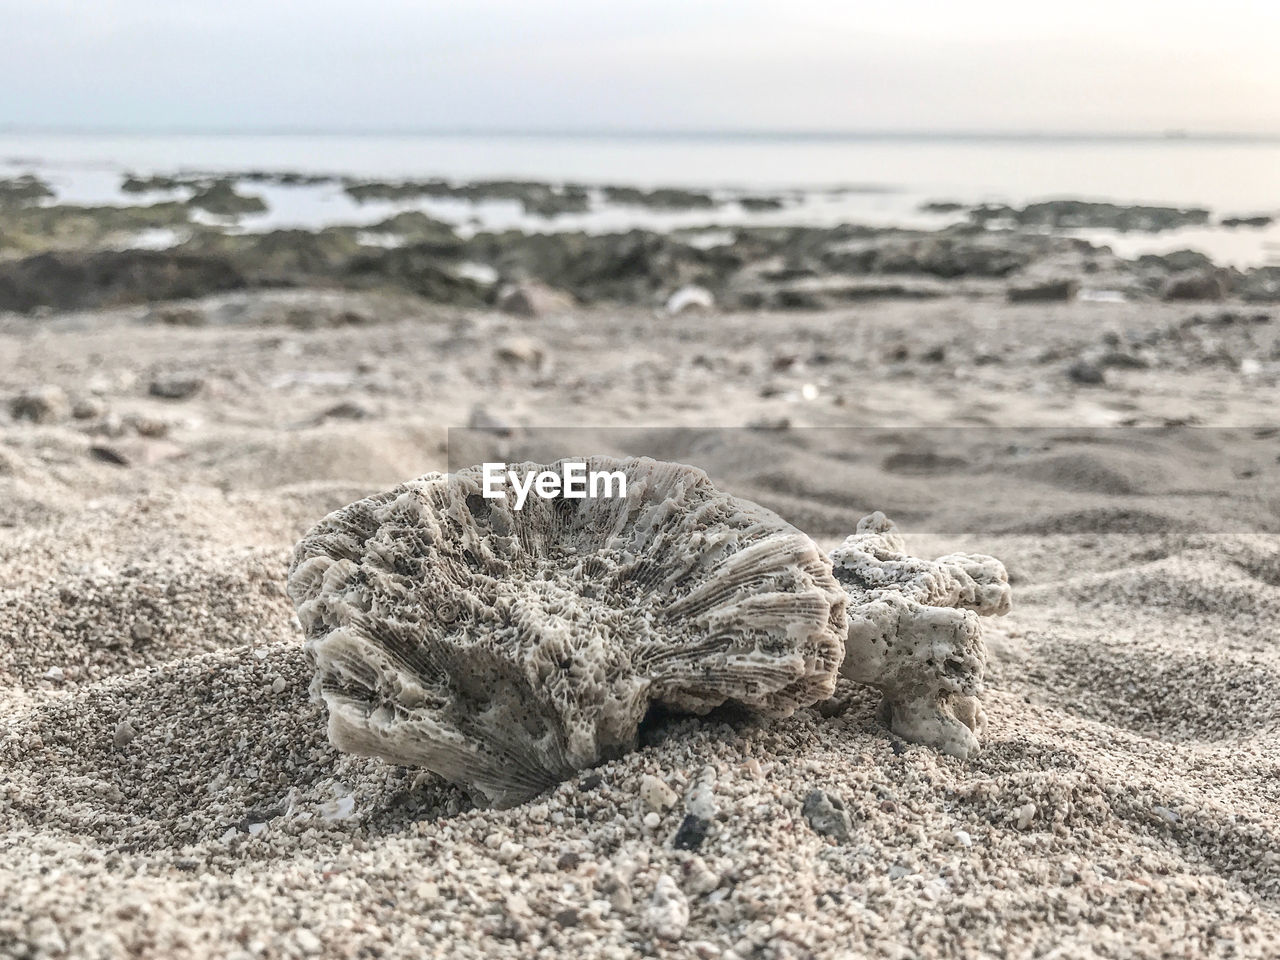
167 791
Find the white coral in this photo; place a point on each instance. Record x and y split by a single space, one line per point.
914 633
505 649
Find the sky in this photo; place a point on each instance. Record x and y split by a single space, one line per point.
404 65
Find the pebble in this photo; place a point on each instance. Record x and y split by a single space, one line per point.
826 815
655 794
1024 815
175 387
668 913
124 734
307 942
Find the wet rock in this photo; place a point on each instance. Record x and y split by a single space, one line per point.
665 198
1202 284
418 269
826 815
221 199
44 404
1082 214
72 281
23 191
760 204
1044 292
1261 285
1261 220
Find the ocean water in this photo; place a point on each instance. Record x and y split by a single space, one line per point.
831 179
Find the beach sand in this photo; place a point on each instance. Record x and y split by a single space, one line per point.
167 790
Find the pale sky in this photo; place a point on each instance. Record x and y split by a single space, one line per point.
891 65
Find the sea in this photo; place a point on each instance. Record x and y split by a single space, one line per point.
825 178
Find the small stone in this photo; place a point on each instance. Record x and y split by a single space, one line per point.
141 630
668 912
175 387
124 734
88 408
307 942
277 685
106 454
47 404
54 673
826 815
567 917
655 794
1024 815
428 891
691 833
1085 373
652 820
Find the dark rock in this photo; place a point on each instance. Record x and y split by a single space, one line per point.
826 815
1258 221
691 833
416 268
1045 292
664 198
1086 373
175 387
109 455
221 199
1261 285
347 410
23 191
70 281
1081 214
757 204
1122 360
1202 284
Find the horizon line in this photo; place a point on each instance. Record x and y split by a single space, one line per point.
655 133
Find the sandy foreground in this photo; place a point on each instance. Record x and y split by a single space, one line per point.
166 788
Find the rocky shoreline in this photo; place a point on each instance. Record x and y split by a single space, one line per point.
65 256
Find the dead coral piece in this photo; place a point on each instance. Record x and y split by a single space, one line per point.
914 633
504 649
